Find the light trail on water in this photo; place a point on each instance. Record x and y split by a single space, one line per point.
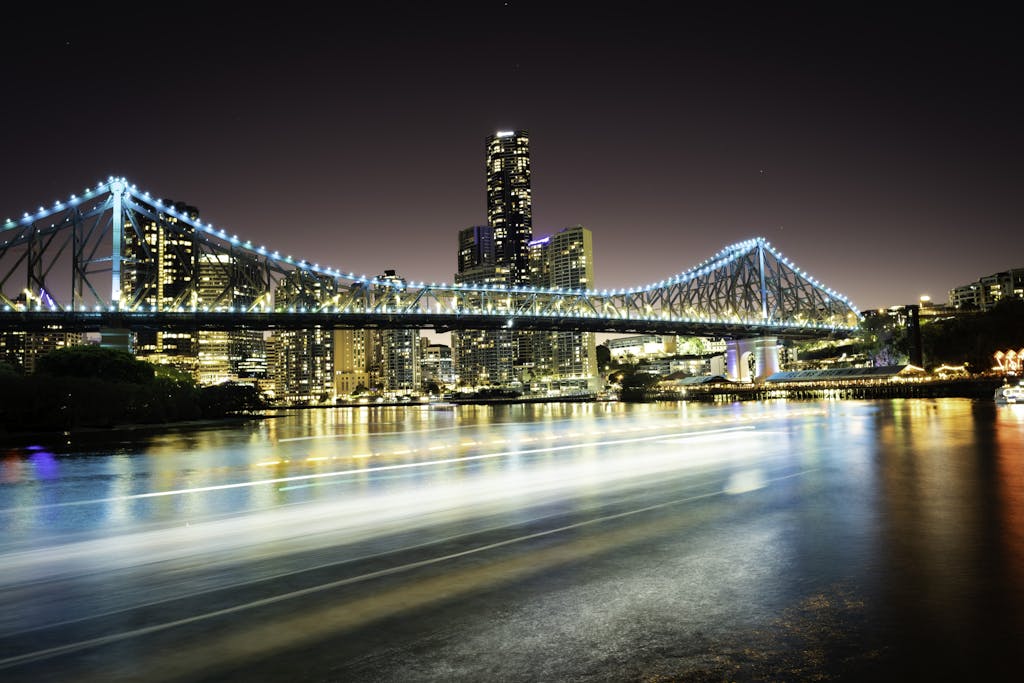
379 468
69 648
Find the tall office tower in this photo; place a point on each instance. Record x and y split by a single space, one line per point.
482 357
305 358
158 275
509 209
565 260
399 353
224 282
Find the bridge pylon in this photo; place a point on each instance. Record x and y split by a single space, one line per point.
760 352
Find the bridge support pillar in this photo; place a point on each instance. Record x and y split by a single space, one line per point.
116 338
117 189
762 351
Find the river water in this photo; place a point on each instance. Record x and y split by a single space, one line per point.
799 540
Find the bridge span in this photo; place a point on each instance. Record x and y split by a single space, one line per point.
89 264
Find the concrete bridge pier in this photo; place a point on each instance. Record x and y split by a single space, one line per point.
738 354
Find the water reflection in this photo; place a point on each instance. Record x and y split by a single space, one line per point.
238 468
885 525
1009 472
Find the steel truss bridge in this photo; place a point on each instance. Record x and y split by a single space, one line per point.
85 264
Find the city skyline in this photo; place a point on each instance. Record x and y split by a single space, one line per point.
879 152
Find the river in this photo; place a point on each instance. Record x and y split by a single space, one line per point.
777 540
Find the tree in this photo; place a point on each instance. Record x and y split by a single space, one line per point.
173 374
635 385
882 340
95 362
230 399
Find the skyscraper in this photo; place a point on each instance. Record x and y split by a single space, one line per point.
224 281
564 260
161 254
477 263
509 206
497 253
400 353
305 358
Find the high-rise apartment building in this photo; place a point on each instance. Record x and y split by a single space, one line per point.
305 358
21 349
158 275
564 260
482 357
436 363
486 357
400 353
477 257
509 206
497 254
269 383
988 290
356 367
222 283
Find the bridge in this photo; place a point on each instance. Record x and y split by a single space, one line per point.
92 263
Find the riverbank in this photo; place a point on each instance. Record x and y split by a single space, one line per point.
124 432
979 388
976 388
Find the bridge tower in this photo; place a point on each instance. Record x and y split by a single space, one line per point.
763 351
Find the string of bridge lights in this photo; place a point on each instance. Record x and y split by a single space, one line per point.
724 257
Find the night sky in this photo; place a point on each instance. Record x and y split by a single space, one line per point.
881 150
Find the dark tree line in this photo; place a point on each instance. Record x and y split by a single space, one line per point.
92 387
976 337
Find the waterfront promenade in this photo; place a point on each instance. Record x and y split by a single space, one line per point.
979 388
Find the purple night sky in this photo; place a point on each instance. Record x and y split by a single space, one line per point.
881 151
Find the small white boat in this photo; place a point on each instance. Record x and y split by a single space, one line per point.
440 405
1010 394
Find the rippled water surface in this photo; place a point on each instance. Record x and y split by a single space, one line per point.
838 540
